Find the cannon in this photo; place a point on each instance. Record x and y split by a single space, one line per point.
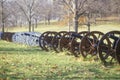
46 40
65 41
75 42
41 38
27 38
109 47
7 36
89 43
84 43
31 38
56 40
50 40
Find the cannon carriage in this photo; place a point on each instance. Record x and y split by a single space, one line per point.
89 43
56 41
53 40
84 43
41 39
45 40
7 36
65 41
60 41
75 42
109 47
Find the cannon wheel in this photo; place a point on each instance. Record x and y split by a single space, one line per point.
41 39
56 39
118 51
98 34
89 43
106 48
47 41
74 47
65 41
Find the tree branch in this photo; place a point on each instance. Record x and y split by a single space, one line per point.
79 14
23 11
68 5
81 4
2 1
32 4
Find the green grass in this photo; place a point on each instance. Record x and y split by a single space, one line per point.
20 62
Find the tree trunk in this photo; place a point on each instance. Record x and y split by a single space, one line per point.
48 21
33 27
2 17
44 20
3 26
76 24
48 18
29 26
75 7
16 23
36 23
119 15
69 19
21 24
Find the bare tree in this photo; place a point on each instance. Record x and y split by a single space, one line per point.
32 11
46 11
116 7
14 11
89 8
28 7
3 17
77 8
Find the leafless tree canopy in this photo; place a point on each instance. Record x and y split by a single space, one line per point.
28 12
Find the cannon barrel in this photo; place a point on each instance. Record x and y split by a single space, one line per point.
77 35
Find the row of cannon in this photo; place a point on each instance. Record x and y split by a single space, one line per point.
84 43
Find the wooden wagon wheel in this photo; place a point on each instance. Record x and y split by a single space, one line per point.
65 41
106 47
89 43
98 34
56 39
117 47
41 39
74 46
47 41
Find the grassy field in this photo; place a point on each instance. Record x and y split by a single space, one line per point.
21 62
106 27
